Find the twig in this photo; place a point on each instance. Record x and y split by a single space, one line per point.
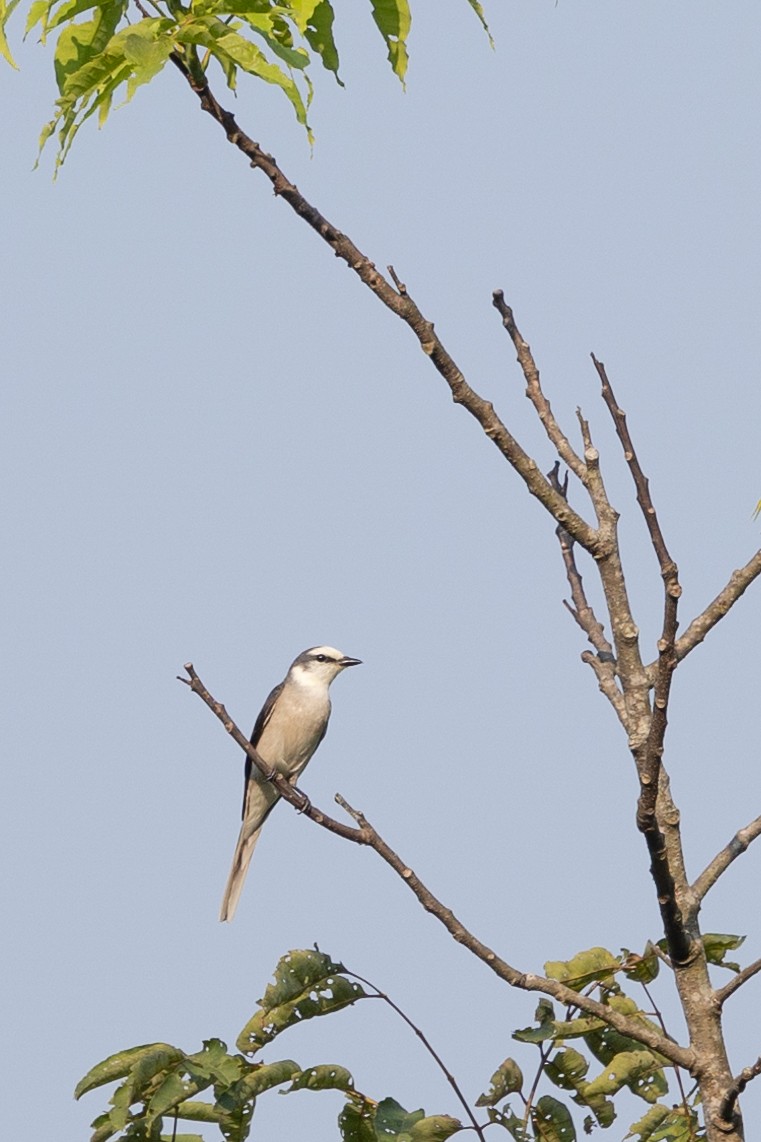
723 993
366 834
603 663
544 1054
641 483
534 390
434 1054
738 1086
662 1024
742 839
739 581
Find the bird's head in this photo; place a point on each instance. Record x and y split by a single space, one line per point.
320 664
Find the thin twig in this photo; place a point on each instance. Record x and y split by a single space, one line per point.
738 1086
662 1023
366 834
534 390
434 1054
723 993
544 1054
742 839
603 662
739 581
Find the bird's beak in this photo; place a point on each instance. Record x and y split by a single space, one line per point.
346 661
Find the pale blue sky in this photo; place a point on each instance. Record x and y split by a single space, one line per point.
219 447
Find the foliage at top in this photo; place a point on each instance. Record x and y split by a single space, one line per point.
119 47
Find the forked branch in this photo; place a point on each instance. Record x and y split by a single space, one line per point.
366 834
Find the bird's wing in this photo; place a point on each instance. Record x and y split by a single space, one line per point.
264 716
258 802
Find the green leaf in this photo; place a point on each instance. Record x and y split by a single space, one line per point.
6 11
391 1119
318 33
637 1070
119 1065
393 19
607 1043
325 1076
196 1111
302 11
593 965
510 1121
435 1128
552 1121
147 49
567 1069
664 1124
228 47
507 1079
261 1077
642 968
307 984
78 44
181 1138
357 1121
716 947
547 1029
475 5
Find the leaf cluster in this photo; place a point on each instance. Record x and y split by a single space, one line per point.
611 1063
117 48
158 1081
583 1058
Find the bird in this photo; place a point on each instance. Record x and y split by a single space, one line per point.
290 726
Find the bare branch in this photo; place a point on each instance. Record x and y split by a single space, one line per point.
650 755
721 862
641 483
738 1086
739 581
366 834
681 1056
723 993
604 661
400 303
534 390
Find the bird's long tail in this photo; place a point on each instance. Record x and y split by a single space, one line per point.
244 850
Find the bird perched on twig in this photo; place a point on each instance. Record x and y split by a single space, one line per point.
291 725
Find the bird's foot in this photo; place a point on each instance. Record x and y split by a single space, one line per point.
305 802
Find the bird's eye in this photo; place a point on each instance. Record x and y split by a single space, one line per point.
321 657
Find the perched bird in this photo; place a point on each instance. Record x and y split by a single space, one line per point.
291 725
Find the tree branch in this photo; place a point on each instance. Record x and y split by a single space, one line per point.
400 303
650 756
738 1086
365 834
742 839
739 581
603 662
723 993
534 390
